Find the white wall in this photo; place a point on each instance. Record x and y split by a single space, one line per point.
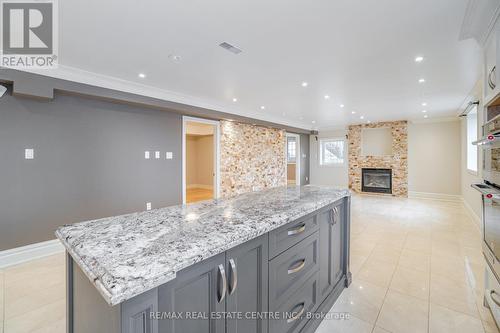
327 175
434 157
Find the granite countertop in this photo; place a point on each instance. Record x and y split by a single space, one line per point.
127 255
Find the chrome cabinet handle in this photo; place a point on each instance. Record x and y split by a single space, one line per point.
334 216
222 273
299 314
234 274
491 82
297 231
297 267
494 298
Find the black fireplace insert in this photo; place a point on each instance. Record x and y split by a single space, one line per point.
376 180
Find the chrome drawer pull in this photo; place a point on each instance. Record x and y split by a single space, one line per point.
222 273
297 268
299 314
494 298
297 231
234 273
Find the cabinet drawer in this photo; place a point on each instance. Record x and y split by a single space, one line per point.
290 269
293 313
285 237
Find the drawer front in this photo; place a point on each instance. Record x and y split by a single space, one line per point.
293 313
290 269
287 236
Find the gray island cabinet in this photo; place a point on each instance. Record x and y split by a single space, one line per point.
272 261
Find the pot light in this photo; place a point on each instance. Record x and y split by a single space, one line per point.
424 111
426 116
327 97
314 121
368 122
353 112
305 84
235 100
424 104
362 117
419 59
142 75
421 81
341 105
174 57
262 107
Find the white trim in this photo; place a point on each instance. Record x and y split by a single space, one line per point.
216 124
298 156
30 252
472 213
332 165
435 196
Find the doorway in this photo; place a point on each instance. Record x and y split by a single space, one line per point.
292 159
200 150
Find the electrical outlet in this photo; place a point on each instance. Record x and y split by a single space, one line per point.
157 154
146 155
29 154
169 155
148 205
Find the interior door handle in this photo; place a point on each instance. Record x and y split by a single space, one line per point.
234 274
297 231
299 314
222 273
297 267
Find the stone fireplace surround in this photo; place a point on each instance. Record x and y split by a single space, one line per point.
398 161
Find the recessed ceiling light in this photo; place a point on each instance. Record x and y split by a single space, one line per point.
342 105
142 75
419 59
314 121
362 117
174 57
305 84
327 97
235 99
424 104
426 116
421 81
353 112
424 111
368 122
262 107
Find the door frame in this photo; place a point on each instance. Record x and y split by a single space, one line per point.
216 180
297 156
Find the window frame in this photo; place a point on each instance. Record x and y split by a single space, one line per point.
332 165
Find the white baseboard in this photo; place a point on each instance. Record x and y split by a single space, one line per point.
472 213
203 186
26 253
435 196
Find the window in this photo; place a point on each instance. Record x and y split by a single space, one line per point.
471 137
331 151
291 150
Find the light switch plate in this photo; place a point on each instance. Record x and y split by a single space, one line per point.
146 155
29 154
148 205
157 154
169 155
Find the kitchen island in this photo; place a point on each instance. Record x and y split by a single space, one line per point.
268 261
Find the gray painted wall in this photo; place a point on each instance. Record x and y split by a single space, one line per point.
304 162
89 163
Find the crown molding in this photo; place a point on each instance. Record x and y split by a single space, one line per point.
479 20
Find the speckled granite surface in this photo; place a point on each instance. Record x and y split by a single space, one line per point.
127 255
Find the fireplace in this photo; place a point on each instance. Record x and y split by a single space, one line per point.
376 180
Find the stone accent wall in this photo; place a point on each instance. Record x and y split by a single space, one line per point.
251 157
398 162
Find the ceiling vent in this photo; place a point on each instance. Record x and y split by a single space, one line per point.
230 48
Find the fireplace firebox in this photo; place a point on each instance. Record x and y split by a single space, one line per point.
376 180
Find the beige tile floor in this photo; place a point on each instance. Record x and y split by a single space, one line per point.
417 267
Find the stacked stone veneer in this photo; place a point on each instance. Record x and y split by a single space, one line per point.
251 157
398 161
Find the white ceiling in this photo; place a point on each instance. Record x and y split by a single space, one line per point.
359 52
